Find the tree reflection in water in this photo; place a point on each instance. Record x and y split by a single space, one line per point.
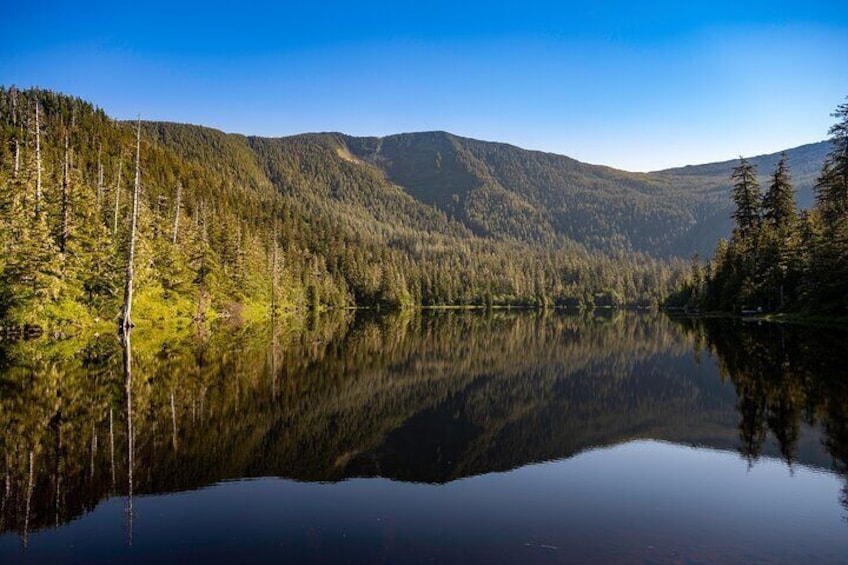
427 397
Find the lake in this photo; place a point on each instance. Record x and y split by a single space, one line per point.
441 437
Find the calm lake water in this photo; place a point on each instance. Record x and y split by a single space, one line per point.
429 438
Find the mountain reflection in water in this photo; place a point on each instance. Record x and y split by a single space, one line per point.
422 398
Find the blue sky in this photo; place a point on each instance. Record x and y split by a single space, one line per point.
639 87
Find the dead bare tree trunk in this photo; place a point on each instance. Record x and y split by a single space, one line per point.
99 176
201 277
93 452
30 486
118 193
17 158
157 213
127 351
37 160
177 213
274 273
112 447
173 423
126 318
60 469
14 93
63 240
275 347
239 263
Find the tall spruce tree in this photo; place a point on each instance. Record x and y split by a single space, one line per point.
779 246
829 257
748 198
779 201
832 185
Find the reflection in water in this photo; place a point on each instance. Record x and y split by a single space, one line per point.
126 355
421 398
785 377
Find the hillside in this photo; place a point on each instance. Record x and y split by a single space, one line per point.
237 226
804 161
498 191
501 191
229 222
713 181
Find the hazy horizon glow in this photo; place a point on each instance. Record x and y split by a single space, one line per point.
634 87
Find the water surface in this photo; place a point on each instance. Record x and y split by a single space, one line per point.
448 438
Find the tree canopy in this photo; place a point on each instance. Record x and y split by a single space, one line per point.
777 260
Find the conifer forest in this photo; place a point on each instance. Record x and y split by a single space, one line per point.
196 224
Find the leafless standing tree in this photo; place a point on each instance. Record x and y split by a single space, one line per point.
127 351
99 176
177 213
66 181
118 193
126 317
37 159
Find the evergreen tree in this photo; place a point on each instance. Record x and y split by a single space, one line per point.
779 201
830 260
779 264
346 235
747 197
832 187
777 260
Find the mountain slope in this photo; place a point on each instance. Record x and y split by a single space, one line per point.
229 224
328 220
445 184
713 180
804 161
502 191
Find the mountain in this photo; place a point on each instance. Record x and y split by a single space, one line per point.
713 181
499 191
503 191
805 162
233 224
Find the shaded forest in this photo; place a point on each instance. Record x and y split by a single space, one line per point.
779 259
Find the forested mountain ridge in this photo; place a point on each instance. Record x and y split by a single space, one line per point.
229 222
712 180
503 192
804 161
234 225
499 191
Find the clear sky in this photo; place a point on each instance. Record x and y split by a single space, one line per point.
639 87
